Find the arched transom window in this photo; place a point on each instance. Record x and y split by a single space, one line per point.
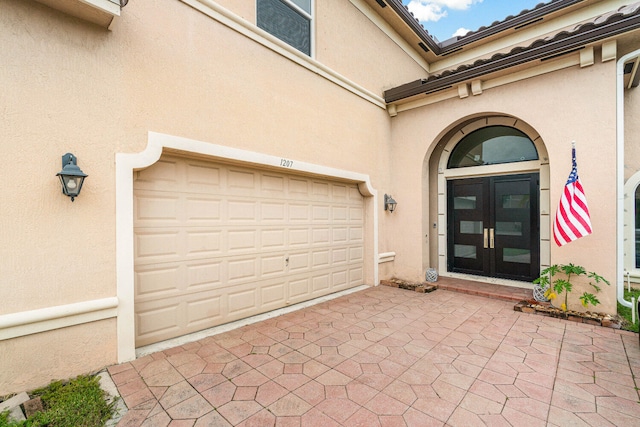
492 145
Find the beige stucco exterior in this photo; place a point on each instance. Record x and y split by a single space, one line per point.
553 116
199 74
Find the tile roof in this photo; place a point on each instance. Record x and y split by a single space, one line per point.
523 18
619 21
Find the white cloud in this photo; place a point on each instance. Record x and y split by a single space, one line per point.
433 10
456 4
426 11
460 32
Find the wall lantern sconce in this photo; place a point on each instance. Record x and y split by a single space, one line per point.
389 203
71 176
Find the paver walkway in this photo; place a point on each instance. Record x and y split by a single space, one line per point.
391 357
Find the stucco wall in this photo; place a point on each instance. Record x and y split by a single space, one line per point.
572 104
58 97
70 86
35 360
631 132
350 43
92 92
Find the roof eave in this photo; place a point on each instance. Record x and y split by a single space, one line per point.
521 20
448 46
414 24
561 43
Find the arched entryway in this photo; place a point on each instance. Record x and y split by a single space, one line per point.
493 201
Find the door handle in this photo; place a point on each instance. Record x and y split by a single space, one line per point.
486 238
491 238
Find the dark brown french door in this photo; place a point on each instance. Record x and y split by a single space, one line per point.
493 226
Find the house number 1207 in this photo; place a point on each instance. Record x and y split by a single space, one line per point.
286 163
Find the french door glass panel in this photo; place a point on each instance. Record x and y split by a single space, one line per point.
493 226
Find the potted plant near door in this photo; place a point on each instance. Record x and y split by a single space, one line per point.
559 278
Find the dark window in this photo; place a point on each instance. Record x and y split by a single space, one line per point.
288 20
492 145
637 227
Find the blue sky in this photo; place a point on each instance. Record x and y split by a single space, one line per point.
443 18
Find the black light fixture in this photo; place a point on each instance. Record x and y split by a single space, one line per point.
389 203
71 176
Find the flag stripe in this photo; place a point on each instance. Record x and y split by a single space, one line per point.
572 216
579 208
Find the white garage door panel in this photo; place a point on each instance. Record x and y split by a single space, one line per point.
156 322
273 239
243 303
272 295
273 265
299 288
299 213
299 237
216 243
338 256
185 313
239 269
339 279
170 244
170 279
163 319
356 275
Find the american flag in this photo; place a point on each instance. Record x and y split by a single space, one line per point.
572 216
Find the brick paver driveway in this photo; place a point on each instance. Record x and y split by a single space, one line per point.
391 357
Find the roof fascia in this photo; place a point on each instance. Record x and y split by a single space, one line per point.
519 21
413 23
561 43
443 48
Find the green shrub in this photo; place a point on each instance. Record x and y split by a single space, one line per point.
554 287
625 312
77 403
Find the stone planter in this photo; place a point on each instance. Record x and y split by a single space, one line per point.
412 286
546 309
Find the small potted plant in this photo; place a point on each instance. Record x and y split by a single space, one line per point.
554 286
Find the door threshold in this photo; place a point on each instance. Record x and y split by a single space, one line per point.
489 290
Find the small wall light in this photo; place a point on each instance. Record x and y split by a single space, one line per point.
71 176
389 203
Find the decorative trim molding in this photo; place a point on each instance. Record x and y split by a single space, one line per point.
386 257
15 325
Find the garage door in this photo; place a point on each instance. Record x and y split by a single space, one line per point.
216 243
